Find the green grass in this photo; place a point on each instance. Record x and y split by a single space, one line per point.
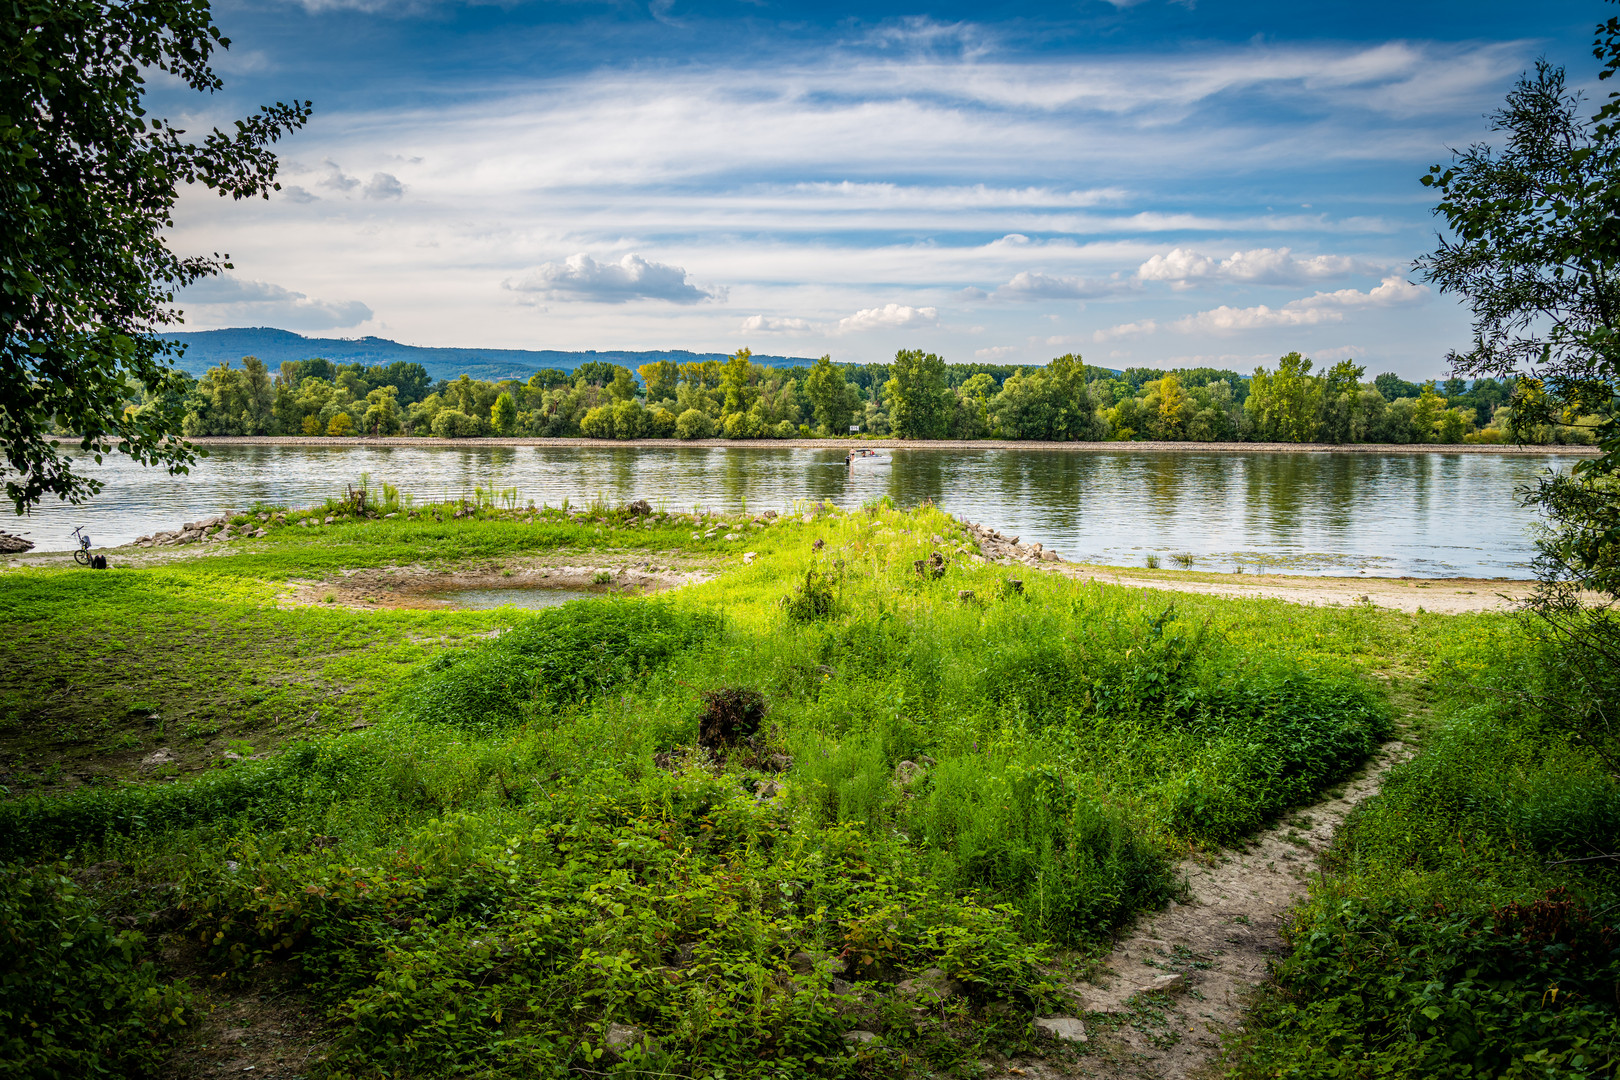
527 844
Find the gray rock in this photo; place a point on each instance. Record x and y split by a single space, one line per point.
859 1037
932 984
767 789
161 756
1062 1027
907 773
1166 984
1051 556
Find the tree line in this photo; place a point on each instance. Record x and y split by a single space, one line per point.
917 396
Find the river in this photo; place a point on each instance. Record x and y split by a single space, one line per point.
1419 514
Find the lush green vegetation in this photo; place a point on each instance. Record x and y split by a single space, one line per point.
735 820
919 396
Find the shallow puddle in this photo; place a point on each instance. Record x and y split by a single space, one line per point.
522 597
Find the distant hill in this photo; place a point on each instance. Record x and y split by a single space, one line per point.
206 348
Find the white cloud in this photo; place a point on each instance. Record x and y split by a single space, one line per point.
384 186
294 193
631 278
1033 285
1124 330
995 352
1309 311
889 317
1262 266
768 324
335 178
230 301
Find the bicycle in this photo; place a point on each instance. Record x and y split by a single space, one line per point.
81 554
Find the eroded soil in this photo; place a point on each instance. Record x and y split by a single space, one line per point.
1441 596
417 586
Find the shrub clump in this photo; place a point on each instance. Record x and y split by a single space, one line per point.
560 657
74 998
730 714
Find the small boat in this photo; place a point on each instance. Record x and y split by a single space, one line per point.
861 456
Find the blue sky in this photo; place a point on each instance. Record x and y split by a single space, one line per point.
1142 183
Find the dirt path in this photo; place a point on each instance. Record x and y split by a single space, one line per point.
1182 977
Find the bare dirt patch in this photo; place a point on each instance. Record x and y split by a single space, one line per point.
418 586
269 1036
1441 596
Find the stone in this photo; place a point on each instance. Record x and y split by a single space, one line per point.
256 533
767 789
932 984
639 508
14 545
1051 556
908 772
769 515
749 556
161 756
1166 984
859 1037
1062 1027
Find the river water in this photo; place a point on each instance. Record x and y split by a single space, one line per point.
1425 514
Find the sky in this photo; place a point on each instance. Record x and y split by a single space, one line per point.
1141 183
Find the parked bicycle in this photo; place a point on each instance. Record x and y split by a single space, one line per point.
81 554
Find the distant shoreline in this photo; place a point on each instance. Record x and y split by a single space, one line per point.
905 444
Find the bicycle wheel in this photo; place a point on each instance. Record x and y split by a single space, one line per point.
81 556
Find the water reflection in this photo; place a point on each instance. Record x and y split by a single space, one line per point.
1422 514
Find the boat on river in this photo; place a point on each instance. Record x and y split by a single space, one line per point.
862 457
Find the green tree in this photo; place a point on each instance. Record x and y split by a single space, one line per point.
382 412
738 381
1286 405
919 403
830 399
503 415
88 181
1342 420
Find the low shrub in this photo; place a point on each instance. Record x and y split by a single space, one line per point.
76 999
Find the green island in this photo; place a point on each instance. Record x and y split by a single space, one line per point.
851 801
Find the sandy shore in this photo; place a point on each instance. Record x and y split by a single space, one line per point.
903 444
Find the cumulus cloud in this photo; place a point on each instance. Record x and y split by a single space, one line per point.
767 324
1032 285
631 278
228 300
383 186
336 179
1322 307
1124 330
995 352
889 317
1260 266
294 193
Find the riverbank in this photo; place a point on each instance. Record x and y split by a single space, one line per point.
909 444
848 799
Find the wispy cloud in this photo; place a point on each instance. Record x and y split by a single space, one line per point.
1323 307
767 324
631 278
227 300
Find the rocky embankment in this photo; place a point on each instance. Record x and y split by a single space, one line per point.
211 531
1008 549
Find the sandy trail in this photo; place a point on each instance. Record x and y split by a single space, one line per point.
1442 596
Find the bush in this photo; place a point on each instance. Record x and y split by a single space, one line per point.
660 424
74 1000
786 430
813 598
693 424
454 424
628 420
597 423
559 657
1024 834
